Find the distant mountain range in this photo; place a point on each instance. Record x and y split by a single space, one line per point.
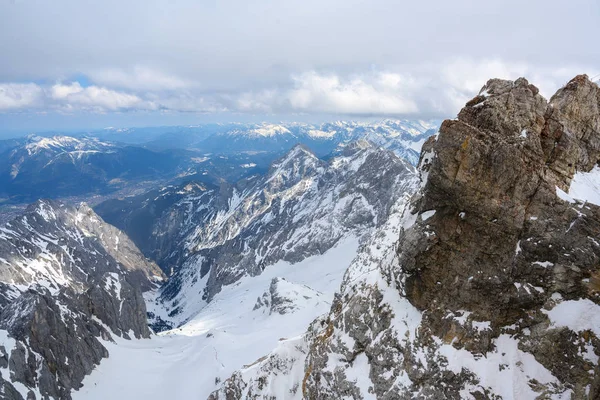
120 161
402 136
58 166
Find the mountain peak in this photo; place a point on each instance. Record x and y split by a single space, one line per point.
298 153
265 130
45 208
357 146
37 144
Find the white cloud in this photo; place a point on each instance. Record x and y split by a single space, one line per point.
468 75
377 94
61 91
438 90
186 102
263 101
236 43
139 78
19 95
94 97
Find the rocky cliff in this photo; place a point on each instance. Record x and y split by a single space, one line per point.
67 281
485 285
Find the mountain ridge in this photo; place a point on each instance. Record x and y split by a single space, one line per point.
68 282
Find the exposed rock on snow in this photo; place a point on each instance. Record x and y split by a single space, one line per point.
285 297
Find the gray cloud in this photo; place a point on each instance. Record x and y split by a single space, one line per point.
378 57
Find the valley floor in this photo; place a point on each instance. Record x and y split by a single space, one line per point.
186 363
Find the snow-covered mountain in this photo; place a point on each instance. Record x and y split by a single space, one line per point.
58 166
73 147
210 237
68 281
485 285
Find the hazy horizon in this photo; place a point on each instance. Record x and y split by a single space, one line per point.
43 130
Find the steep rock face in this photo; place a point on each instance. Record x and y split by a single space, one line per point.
491 290
301 208
68 279
492 185
55 342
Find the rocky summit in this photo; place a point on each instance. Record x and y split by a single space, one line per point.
484 285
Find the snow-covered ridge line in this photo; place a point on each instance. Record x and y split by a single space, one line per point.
65 144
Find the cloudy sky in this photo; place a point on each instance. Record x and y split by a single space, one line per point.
69 64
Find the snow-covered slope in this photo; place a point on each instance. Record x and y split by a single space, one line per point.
585 186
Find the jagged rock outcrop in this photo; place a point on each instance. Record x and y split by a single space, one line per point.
68 280
491 290
496 217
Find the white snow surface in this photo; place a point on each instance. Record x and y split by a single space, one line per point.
585 186
224 337
564 196
577 315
